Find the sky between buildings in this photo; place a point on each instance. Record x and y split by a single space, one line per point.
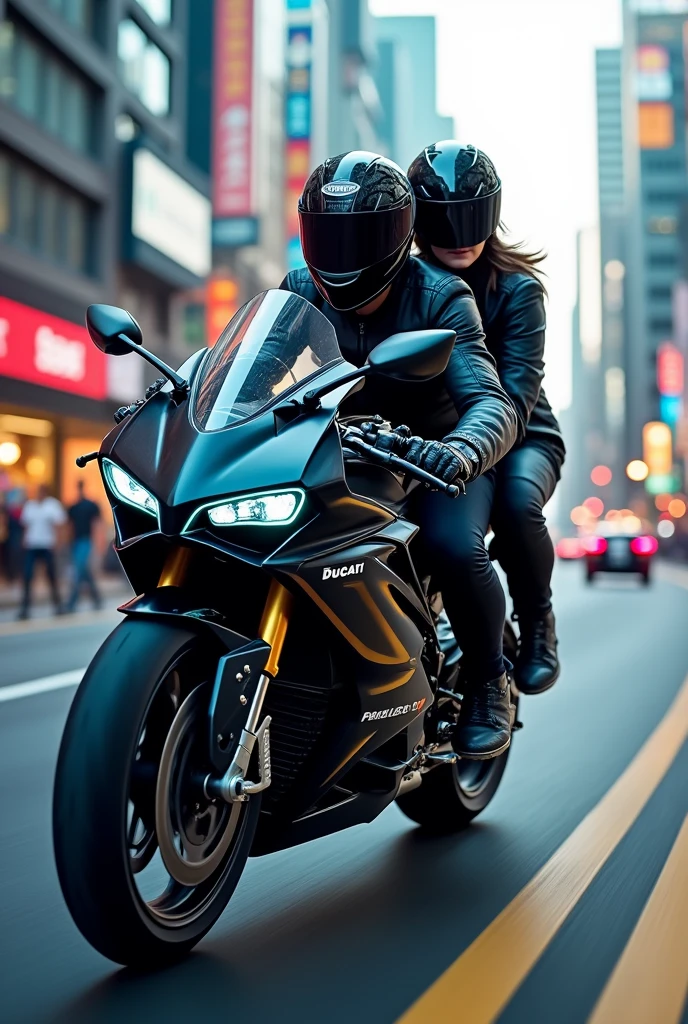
518 76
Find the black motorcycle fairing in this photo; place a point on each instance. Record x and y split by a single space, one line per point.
170 603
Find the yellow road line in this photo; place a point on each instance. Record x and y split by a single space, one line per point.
650 981
477 986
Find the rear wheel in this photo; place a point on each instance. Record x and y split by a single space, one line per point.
451 796
146 862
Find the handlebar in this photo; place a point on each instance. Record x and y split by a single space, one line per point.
389 459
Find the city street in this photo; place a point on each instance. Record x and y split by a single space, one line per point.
360 925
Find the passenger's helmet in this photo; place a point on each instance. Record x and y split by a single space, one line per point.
356 224
458 195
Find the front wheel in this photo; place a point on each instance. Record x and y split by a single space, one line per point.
451 796
146 862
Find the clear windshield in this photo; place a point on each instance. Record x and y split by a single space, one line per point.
275 341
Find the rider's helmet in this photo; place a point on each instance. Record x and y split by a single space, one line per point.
458 195
356 224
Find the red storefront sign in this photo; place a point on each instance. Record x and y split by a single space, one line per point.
233 108
46 350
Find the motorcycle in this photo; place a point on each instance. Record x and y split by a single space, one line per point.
285 670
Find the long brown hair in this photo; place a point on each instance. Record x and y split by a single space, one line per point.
503 257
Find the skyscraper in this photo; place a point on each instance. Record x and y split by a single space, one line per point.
654 131
406 80
611 370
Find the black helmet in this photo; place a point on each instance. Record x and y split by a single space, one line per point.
458 195
356 225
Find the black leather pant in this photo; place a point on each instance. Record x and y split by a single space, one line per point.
510 497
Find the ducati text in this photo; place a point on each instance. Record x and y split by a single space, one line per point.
342 570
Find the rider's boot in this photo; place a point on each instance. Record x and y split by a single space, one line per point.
484 727
537 663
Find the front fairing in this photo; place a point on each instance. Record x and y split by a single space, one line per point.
186 468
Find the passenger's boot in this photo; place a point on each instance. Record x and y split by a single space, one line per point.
484 727
537 663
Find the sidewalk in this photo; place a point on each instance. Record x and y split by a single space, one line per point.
113 589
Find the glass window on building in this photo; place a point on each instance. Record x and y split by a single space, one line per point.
82 14
27 65
4 194
159 11
144 68
25 214
75 231
50 220
44 88
43 216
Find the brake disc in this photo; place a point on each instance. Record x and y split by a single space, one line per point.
193 833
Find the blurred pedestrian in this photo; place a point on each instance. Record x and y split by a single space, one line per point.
41 519
15 499
84 517
4 538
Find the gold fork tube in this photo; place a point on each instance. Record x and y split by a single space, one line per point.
174 569
274 622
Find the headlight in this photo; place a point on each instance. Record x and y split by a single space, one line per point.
127 489
272 508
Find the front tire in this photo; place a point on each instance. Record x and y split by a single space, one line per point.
451 796
146 864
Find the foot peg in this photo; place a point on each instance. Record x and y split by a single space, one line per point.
449 758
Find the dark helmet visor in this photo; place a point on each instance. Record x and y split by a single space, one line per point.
345 243
458 224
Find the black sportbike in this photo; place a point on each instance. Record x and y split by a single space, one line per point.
286 670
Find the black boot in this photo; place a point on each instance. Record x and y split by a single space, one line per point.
484 728
537 664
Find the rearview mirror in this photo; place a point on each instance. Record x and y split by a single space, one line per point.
413 355
105 325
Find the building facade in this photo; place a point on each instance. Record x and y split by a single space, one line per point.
655 172
98 203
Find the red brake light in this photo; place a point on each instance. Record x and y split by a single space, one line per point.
595 545
644 545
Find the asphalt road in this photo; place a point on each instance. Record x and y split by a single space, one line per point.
359 926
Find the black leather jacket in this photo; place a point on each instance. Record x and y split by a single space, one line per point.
513 317
467 403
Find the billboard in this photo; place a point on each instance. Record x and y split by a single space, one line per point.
669 370
655 125
222 302
47 350
170 214
233 109
298 118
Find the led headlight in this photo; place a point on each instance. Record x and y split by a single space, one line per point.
271 508
129 490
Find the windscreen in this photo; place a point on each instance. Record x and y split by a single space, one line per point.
274 342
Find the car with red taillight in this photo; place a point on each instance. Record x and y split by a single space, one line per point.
614 551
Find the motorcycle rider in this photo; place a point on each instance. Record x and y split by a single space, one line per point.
356 218
458 196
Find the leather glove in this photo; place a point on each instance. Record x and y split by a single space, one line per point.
442 460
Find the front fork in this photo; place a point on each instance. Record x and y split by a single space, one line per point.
233 786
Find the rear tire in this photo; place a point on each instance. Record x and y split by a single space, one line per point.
142 704
451 796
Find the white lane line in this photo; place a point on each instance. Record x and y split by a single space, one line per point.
34 686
